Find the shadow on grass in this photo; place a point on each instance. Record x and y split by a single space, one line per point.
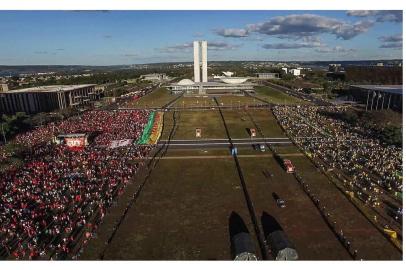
240 239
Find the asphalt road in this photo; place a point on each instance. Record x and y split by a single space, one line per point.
304 96
220 143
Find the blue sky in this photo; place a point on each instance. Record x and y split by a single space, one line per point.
133 37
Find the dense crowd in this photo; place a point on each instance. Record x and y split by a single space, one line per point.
112 125
349 148
52 206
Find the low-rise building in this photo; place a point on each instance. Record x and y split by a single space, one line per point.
294 71
334 68
47 98
377 97
155 77
267 76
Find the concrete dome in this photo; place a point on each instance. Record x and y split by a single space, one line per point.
228 73
233 80
185 82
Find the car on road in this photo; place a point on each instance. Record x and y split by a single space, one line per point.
262 147
279 201
288 166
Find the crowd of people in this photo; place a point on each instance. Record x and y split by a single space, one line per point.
349 148
111 125
52 205
369 168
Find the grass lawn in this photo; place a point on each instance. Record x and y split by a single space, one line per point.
371 244
300 219
276 96
212 126
157 98
183 213
239 123
238 100
209 121
195 102
287 149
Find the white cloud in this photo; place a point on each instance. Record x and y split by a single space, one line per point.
130 55
306 42
392 45
301 25
219 46
237 33
379 15
177 48
336 49
211 45
392 38
392 41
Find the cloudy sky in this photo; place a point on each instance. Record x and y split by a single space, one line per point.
132 37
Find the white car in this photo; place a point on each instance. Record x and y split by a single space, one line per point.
262 148
281 203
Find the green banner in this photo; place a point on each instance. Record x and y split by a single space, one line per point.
147 130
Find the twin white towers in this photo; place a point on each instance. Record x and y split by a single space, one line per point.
200 48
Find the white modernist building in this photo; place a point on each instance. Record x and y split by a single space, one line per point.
200 60
201 86
295 71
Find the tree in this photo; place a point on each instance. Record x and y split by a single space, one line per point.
392 135
14 124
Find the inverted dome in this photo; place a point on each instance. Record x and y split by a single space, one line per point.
228 73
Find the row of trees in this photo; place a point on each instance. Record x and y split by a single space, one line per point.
11 125
14 124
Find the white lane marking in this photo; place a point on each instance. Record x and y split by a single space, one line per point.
241 143
282 138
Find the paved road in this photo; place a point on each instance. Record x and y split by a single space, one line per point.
262 155
301 95
220 143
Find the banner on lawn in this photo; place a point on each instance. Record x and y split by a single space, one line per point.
75 143
120 143
156 128
152 130
147 130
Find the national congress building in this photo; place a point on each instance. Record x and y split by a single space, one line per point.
225 85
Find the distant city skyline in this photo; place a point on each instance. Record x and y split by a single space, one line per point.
136 37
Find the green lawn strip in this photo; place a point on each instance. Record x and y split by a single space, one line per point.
276 96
